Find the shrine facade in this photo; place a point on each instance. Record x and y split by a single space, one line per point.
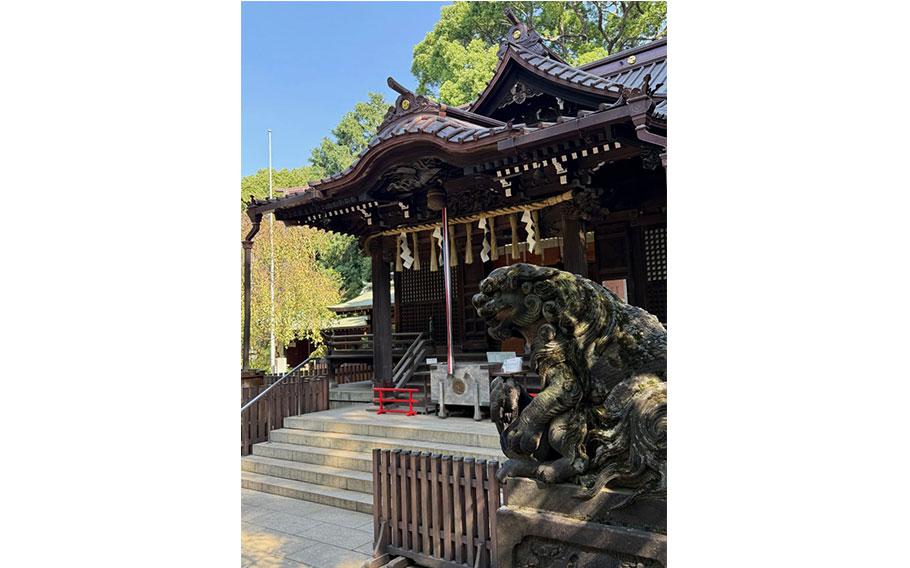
551 165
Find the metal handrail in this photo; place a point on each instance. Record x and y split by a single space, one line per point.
283 377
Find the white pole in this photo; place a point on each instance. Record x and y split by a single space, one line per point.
271 269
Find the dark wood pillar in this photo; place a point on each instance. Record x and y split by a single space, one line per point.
247 284
575 248
247 288
382 315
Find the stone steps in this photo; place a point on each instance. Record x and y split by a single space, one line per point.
342 459
357 443
447 432
341 498
352 480
325 457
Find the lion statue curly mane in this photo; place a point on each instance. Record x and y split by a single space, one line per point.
600 417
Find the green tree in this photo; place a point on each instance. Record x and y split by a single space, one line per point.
351 135
457 58
303 288
257 185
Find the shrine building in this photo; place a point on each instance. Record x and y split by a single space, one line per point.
551 165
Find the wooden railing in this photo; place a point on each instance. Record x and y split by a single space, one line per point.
349 357
413 357
436 510
352 373
298 394
340 344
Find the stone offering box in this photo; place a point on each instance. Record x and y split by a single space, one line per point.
462 389
546 526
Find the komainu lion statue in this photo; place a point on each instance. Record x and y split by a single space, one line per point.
600 419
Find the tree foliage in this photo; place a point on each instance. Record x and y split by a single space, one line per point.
303 288
351 135
257 185
457 57
313 269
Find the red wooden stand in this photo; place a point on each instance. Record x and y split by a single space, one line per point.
382 409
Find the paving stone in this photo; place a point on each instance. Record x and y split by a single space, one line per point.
275 543
329 556
288 523
276 562
250 513
339 536
365 548
343 517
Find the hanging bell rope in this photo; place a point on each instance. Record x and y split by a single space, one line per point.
398 254
468 252
537 247
416 252
434 266
514 223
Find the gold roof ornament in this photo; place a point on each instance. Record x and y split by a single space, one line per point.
405 104
631 60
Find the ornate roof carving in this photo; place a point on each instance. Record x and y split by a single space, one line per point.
523 37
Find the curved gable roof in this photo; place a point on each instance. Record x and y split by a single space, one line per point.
553 75
413 120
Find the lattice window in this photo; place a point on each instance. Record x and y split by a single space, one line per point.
656 253
423 299
656 270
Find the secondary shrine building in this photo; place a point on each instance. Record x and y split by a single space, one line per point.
552 165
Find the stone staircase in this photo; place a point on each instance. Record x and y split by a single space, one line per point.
325 457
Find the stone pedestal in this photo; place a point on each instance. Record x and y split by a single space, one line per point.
544 526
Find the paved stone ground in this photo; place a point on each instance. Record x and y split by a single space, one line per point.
282 532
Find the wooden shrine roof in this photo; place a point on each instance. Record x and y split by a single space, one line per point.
422 142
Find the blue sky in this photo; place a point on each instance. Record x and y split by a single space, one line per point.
305 64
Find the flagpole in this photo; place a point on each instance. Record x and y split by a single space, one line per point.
271 269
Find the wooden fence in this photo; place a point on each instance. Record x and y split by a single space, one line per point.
439 511
298 394
353 373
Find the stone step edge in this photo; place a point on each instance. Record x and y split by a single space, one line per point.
342 498
326 476
392 431
315 468
419 445
317 450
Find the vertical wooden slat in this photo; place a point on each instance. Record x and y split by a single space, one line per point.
493 504
403 478
447 506
458 530
482 519
414 496
424 501
393 483
435 488
469 509
377 493
384 499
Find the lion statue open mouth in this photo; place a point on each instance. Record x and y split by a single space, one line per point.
600 417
